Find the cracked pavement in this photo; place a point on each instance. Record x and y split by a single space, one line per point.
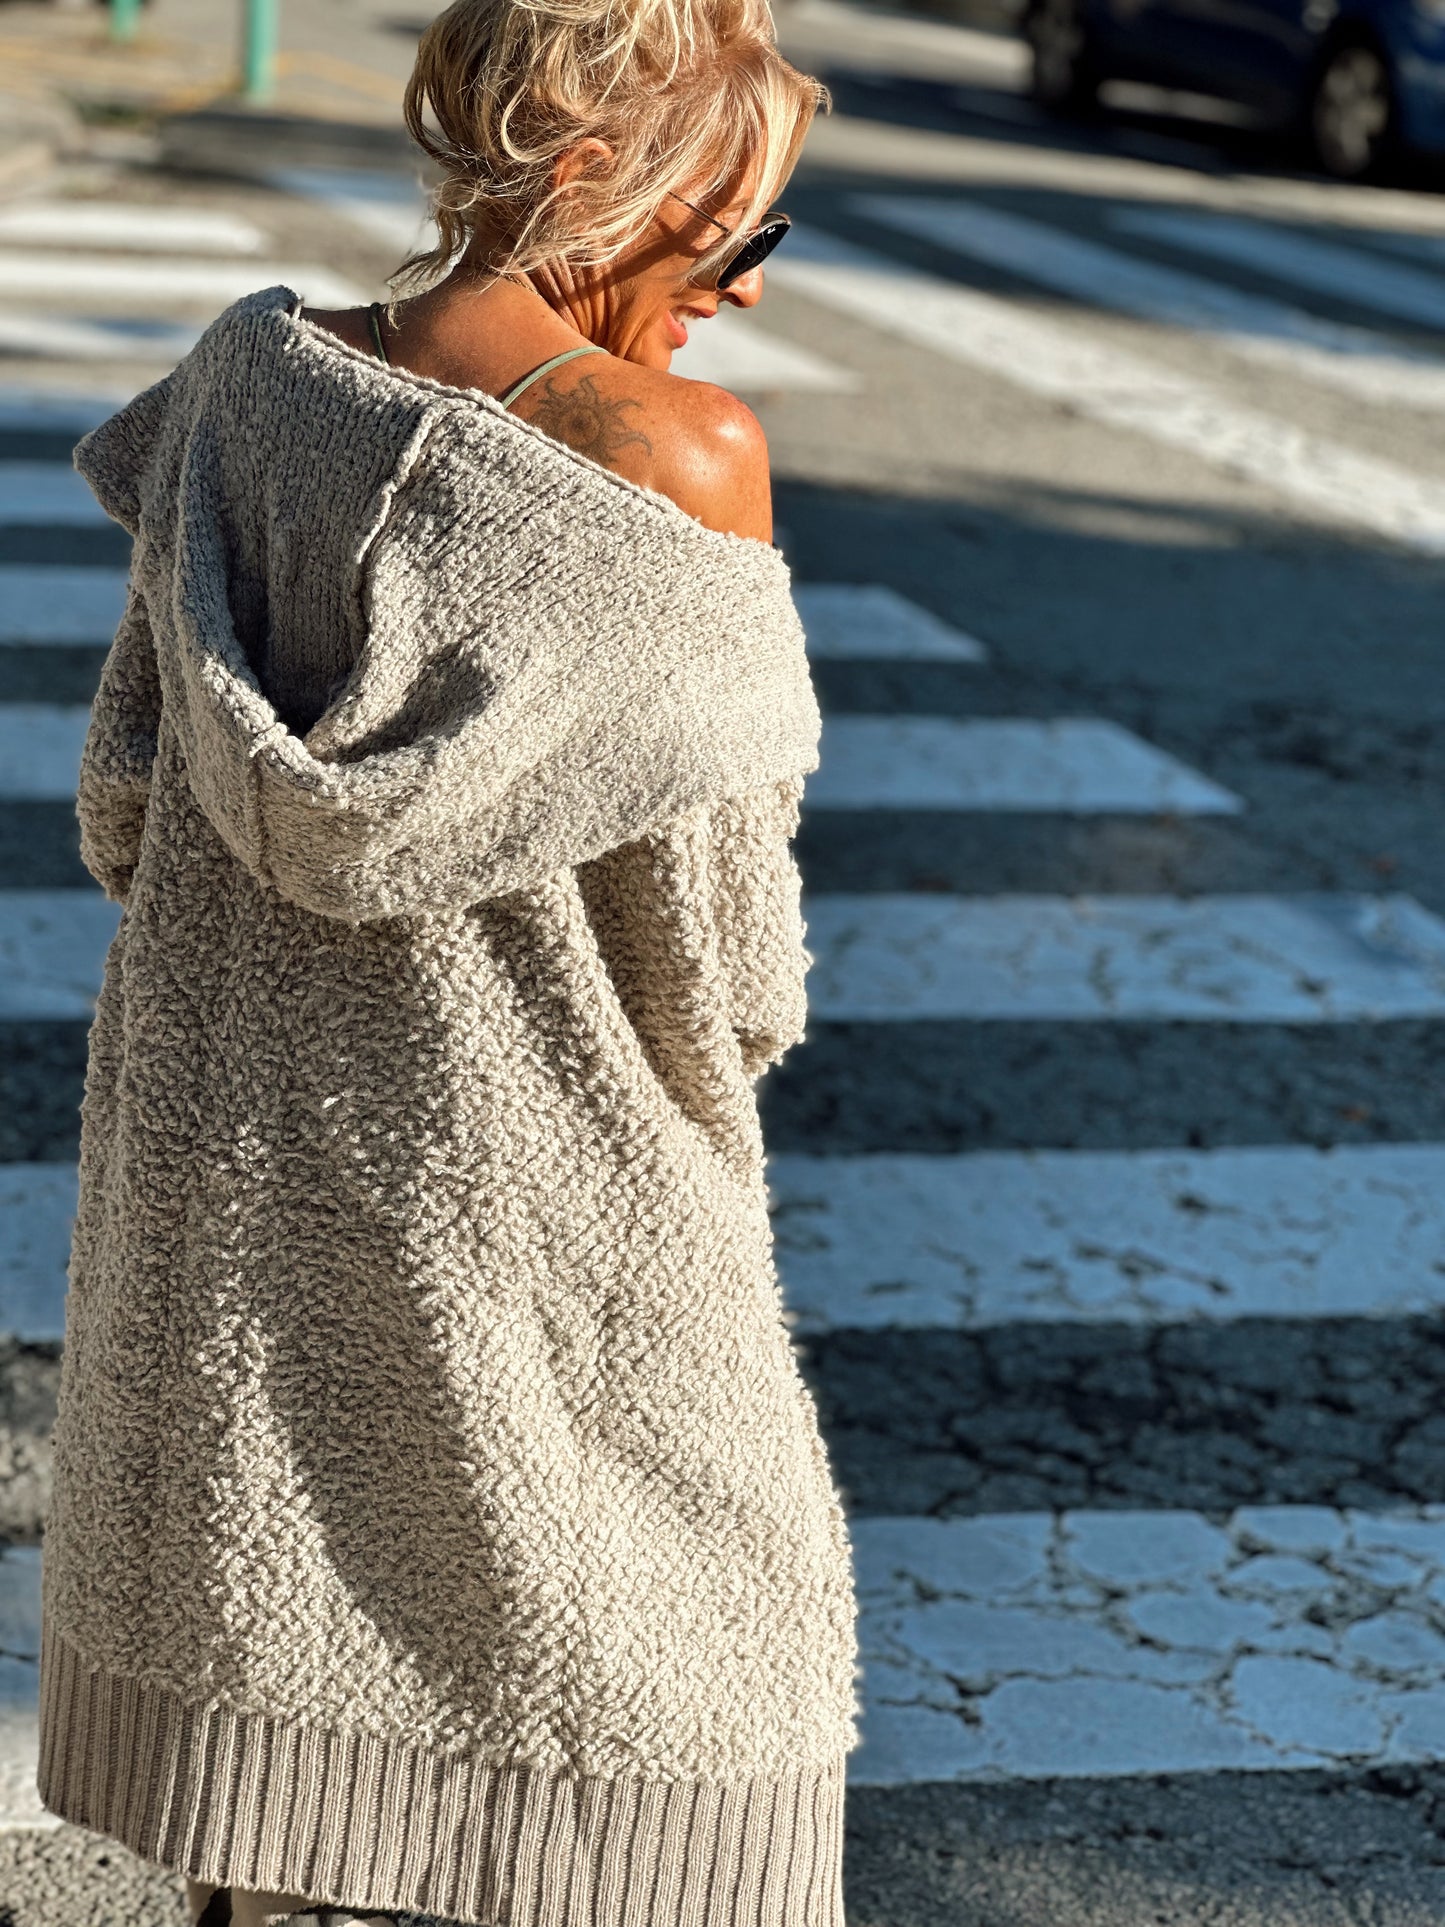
1149 1237
1042 1645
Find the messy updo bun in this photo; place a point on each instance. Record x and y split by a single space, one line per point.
682 91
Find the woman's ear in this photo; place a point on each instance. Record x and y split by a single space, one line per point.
587 156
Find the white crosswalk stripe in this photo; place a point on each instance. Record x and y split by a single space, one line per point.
52 952
891 958
869 622
71 338
19 1671
37 1211
40 745
129 282
1367 365
389 207
63 607
128 226
98 277
1029 1646
932 763
47 495
1353 276
1143 1237
884 762
23 407
1254 959
990 1238
732 351
1119 389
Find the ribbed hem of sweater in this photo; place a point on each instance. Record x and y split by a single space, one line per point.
238 1799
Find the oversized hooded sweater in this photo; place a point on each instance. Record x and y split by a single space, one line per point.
441 1520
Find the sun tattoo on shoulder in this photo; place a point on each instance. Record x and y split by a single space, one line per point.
587 421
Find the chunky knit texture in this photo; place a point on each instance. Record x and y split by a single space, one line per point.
440 1520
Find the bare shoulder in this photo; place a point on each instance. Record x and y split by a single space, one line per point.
720 471
689 440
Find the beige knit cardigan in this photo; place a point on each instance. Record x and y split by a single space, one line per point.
440 1518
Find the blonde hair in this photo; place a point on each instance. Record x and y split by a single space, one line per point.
682 91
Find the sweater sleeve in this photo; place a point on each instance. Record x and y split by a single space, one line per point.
756 893
120 746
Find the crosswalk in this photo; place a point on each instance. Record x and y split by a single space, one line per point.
1357 361
894 958
1119 388
1342 274
1012 1639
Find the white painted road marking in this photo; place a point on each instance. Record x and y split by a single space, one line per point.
868 762
851 622
19 1691
66 338
29 408
732 351
1029 1646
37 1214
1002 1237
40 746
1367 365
889 958
1251 959
95 277
46 492
935 763
64 607
128 225
52 951
390 208
842 621
1124 391
1347 274
1143 1237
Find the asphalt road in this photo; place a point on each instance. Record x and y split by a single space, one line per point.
1208 510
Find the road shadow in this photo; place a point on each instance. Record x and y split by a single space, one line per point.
1169 128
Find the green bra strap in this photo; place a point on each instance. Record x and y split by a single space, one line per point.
511 395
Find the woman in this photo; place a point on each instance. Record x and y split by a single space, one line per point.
441 1521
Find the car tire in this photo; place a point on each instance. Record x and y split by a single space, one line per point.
1064 74
1350 115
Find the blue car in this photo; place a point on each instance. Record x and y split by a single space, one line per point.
1362 80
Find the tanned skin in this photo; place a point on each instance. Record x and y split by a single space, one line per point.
589 420
687 439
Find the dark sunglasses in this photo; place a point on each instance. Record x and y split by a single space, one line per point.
754 250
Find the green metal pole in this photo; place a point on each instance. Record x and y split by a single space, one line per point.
258 59
124 18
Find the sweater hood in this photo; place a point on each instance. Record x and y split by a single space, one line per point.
540 660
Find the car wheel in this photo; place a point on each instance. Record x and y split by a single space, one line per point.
1352 111
1065 74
